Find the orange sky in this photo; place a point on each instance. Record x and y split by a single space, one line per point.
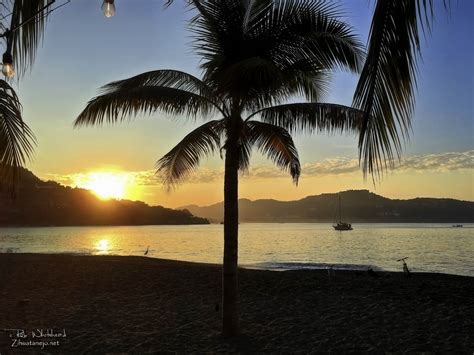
75 60
440 175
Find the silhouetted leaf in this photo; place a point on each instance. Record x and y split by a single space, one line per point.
16 138
276 143
186 155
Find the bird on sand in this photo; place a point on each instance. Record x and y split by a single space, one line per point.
146 252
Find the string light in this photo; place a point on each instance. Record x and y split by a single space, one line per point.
7 58
108 8
7 65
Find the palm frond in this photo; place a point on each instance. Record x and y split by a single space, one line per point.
249 74
25 39
312 117
312 30
116 104
214 22
184 158
255 13
16 138
259 82
245 151
165 77
266 51
276 143
304 79
385 90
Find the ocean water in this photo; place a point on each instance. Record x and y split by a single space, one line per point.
279 246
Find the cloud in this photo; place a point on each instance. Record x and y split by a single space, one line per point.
439 162
333 166
65 179
337 166
443 162
199 176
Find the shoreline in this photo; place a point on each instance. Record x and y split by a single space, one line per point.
275 266
141 304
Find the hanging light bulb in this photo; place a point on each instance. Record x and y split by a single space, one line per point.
7 65
108 8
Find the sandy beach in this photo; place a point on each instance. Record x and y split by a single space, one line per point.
112 304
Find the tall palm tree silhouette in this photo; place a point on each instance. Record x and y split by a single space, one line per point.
256 55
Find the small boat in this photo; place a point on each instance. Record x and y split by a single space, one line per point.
457 226
340 225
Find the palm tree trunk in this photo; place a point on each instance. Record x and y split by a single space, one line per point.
230 292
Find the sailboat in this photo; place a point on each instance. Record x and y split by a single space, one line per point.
340 225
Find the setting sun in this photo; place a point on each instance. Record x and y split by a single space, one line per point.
105 185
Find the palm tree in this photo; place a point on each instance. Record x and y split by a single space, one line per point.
255 56
26 25
385 91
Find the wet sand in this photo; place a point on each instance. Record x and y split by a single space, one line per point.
113 304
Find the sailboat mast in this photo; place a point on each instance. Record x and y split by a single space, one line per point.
340 215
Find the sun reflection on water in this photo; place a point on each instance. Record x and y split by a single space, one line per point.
103 246
430 247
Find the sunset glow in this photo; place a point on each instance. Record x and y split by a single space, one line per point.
437 159
105 185
102 246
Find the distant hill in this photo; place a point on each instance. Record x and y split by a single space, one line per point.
40 203
358 206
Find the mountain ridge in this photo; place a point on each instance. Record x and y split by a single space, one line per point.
358 206
48 203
